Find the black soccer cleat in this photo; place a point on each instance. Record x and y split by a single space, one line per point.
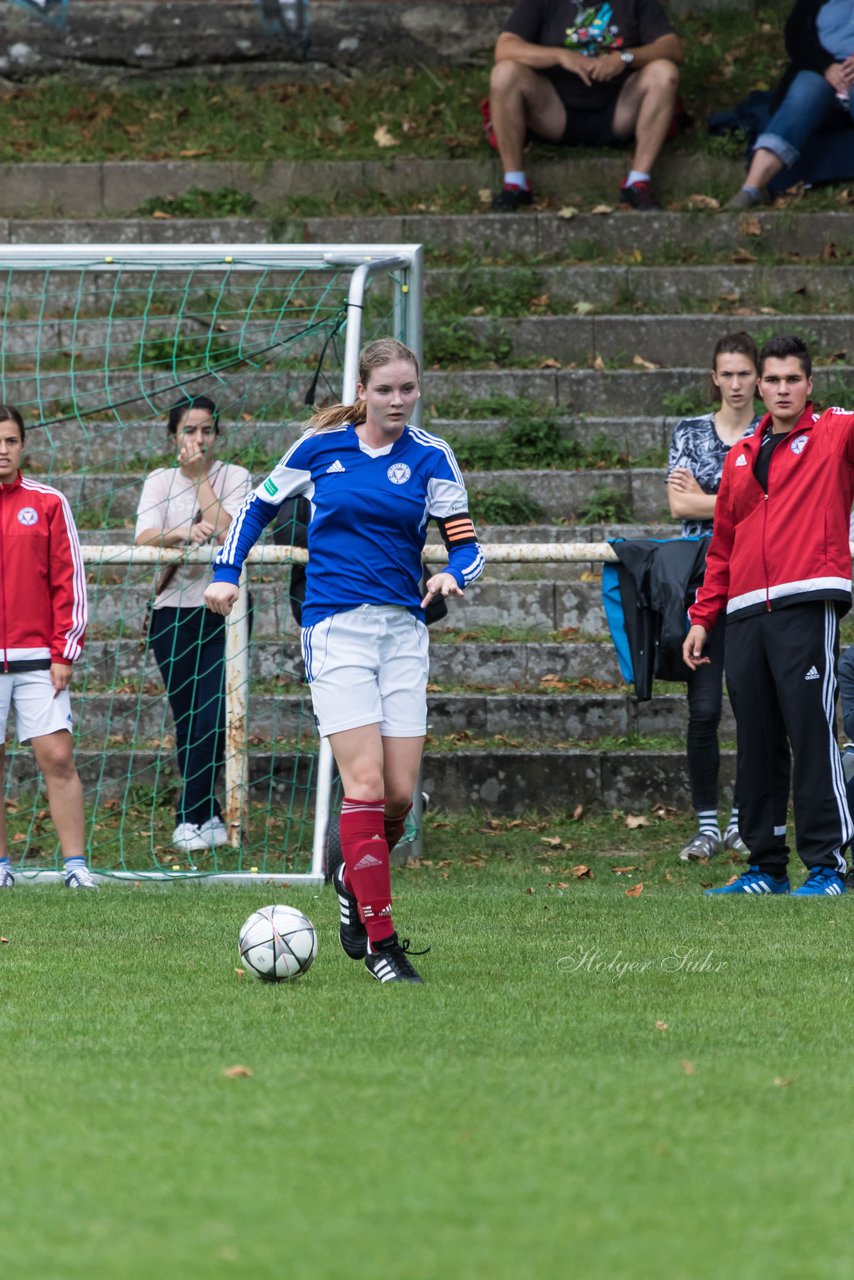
351 931
388 961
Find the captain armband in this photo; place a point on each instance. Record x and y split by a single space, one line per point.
457 530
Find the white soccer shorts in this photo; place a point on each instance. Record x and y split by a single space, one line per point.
39 709
368 666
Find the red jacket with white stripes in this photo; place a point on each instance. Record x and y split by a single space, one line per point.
790 545
42 582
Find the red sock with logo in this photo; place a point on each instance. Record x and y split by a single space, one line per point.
394 827
366 864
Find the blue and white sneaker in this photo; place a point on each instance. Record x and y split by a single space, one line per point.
7 880
821 881
78 876
754 881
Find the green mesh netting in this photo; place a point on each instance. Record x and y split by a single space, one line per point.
94 358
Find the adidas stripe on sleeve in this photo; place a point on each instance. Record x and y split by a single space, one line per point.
286 480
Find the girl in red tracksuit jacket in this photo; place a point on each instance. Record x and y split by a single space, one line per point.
42 623
779 571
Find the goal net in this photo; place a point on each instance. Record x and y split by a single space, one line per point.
97 344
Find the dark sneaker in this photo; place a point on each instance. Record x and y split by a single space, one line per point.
7 880
351 931
755 883
821 882
511 198
638 196
388 961
744 200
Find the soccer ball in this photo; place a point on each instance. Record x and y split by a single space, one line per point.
277 943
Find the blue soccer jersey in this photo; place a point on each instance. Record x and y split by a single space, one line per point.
369 514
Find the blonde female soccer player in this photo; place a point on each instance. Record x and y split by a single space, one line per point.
374 483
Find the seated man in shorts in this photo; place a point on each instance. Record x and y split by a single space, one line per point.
584 75
42 624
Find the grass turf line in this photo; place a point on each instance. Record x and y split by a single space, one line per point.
521 1114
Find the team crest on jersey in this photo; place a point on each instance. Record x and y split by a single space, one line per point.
741 461
28 515
398 473
799 444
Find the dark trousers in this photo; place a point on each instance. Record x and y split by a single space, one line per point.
781 675
705 702
189 645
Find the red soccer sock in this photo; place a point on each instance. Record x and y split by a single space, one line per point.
394 827
366 864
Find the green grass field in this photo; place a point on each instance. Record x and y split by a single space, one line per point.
589 1083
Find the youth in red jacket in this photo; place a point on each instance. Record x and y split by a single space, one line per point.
42 621
788 545
42 581
779 572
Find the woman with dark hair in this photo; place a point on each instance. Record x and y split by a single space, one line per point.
374 483
815 94
189 505
695 464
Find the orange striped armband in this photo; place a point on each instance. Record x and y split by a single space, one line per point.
459 529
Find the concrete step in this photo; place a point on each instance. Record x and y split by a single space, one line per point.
662 237
534 718
112 499
120 188
599 393
805 287
114 664
506 781
116 609
666 340
138 447
656 237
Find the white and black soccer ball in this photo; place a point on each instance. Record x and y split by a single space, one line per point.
277 943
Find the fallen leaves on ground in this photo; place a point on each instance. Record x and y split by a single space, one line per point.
635 820
783 1082
581 872
742 255
660 1026
644 364
702 202
635 891
688 1067
749 225
568 211
622 871
237 1072
383 137
602 208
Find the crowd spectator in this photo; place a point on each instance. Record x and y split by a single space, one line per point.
584 75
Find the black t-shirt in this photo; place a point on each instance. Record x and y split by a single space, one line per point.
770 442
590 29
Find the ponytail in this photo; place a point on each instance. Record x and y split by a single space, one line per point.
336 415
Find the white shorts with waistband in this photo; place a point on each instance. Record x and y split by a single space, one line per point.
39 709
368 666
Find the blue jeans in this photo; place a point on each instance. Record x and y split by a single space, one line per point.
810 104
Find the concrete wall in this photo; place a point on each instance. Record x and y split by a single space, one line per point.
139 37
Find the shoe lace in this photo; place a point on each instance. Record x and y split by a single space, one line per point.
405 946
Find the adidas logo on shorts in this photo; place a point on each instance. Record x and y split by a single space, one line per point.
812 674
335 468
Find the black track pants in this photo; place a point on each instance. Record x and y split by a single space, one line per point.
781 676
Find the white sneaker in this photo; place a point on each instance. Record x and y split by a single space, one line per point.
79 877
212 832
187 837
7 880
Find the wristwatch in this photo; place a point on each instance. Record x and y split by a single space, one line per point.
627 56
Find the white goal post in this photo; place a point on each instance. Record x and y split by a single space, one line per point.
104 379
